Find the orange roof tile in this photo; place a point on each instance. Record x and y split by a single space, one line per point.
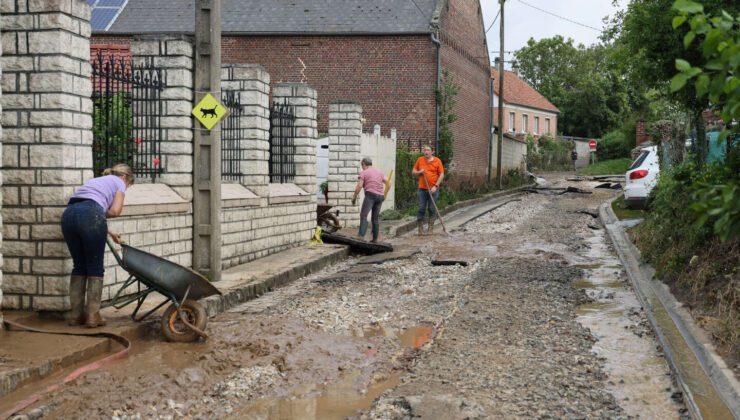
519 92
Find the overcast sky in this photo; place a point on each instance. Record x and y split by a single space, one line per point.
523 22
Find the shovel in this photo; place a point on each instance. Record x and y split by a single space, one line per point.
436 210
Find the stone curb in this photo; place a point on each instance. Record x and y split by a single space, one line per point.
641 277
411 224
252 290
10 381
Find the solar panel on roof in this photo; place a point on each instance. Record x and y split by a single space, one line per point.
110 3
104 12
101 18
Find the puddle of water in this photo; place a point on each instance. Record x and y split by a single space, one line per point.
414 337
336 401
638 374
342 399
709 402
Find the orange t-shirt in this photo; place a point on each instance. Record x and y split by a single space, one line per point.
433 170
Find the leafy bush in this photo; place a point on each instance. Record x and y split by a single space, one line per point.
613 145
406 184
683 242
548 154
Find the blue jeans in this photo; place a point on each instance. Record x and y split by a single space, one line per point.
85 227
426 203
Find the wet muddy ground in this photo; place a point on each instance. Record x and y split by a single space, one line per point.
541 323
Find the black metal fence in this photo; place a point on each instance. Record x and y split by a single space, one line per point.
232 137
282 143
127 109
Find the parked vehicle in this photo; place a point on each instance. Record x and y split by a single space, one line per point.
641 178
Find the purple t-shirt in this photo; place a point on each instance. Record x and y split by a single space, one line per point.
372 180
101 190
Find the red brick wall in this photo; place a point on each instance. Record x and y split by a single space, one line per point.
392 77
465 55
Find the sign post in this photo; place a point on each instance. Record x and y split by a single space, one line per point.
592 149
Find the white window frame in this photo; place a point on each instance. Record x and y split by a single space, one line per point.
536 125
547 126
525 122
512 121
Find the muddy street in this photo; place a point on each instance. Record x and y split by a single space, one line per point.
540 323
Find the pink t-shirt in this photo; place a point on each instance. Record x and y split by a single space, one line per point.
372 180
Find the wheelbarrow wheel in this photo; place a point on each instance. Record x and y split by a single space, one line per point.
329 222
175 330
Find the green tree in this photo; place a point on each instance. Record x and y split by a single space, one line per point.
647 47
578 80
714 78
446 101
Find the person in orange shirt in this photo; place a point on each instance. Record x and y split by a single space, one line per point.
430 171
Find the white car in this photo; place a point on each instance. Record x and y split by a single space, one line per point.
641 178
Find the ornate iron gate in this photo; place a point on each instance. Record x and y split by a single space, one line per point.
282 143
232 137
127 109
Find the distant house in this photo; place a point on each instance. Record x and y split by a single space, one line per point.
385 55
526 111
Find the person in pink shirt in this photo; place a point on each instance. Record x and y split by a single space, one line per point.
373 182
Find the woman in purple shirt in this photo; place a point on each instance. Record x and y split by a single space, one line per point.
85 226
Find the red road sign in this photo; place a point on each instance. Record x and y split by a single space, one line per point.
592 144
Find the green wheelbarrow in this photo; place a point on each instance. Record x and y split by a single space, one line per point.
185 319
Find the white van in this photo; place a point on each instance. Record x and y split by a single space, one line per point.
641 178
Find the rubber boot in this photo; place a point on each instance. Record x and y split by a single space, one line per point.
363 228
420 226
431 226
376 232
94 295
76 315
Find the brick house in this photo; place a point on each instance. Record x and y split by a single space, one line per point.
387 56
526 111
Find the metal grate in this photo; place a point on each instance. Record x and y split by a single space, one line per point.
232 138
282 143
127 109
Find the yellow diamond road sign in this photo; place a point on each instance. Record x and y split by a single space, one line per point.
209 111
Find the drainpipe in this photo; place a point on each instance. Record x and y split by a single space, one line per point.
490 130
436 42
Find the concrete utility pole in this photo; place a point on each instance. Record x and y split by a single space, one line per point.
207 143
500 149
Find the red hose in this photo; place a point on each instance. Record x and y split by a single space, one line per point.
74 374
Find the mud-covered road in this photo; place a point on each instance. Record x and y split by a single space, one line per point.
540 324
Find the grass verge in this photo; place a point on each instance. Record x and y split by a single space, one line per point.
623 213
607 167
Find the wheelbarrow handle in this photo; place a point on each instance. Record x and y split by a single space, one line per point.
112 247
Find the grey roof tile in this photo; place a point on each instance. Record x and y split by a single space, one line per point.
282 16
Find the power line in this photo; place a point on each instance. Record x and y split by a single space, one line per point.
559 17
494 21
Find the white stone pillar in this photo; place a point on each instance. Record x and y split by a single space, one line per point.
345 130
174 55
47 115
252 82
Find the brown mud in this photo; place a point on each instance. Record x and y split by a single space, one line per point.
502 337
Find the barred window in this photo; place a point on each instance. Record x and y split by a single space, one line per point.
282 143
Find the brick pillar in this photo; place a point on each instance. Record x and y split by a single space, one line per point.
303 98
641 134
174 55
253 84
345 129
46 145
